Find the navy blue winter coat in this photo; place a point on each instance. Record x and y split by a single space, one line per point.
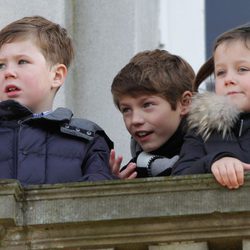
219 130
55 148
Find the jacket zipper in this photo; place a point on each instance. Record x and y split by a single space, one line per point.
17 132
16 151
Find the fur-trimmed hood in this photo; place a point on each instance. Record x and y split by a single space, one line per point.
210 112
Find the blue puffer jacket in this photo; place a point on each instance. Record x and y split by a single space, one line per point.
55 148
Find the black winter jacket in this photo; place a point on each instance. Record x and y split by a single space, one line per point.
217 129
54 148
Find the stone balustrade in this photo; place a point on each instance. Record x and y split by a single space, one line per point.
165 213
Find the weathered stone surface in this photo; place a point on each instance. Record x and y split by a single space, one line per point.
10 193
124 215
181 246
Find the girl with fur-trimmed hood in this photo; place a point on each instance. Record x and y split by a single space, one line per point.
218 140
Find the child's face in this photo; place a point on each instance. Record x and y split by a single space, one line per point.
25 76
232 73
149 119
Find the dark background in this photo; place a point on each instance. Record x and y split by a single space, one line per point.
221 15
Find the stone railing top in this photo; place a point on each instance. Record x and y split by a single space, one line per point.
121 199
115 213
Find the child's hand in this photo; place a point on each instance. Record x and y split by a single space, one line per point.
115 165
229 172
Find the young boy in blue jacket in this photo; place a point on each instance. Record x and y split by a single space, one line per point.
39 145
153 93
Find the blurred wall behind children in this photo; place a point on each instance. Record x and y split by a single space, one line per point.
106 34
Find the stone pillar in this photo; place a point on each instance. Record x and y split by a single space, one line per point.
246 244
107 34
190 245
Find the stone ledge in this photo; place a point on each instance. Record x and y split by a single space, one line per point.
142 198
10 195
127 213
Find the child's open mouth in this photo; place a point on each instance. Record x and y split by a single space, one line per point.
12 90
143 136
142 133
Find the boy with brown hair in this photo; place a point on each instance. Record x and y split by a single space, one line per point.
153 93
39 145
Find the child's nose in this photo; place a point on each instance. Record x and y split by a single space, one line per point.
137 118
10 72
230 80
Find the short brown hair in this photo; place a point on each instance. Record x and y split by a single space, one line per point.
51 38
241 33
156 72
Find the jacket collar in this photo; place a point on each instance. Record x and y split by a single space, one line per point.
212 113
173 145
12 110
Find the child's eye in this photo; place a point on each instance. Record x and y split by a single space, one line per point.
2 66
243 69
147 104
22 61
219 72
124 110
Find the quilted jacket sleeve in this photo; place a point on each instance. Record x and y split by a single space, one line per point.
195 156
96 164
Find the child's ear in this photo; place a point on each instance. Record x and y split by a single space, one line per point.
59 75
185 102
